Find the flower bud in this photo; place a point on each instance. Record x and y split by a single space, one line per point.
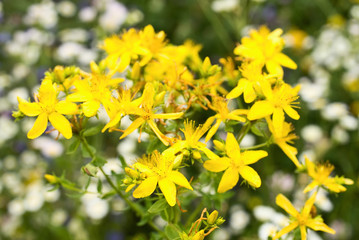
199 235
136 71
196 155
130 172
212 217
219 145
94 67
51 179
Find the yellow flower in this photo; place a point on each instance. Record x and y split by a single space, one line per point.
249 84
281 136
93 90
147 115
121 106
192 137
279 100
220 106
48 108
265 47
159 170
235 164
133 45
302 219
321 177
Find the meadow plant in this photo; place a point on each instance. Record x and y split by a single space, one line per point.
196 115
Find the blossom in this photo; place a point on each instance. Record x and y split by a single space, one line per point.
159 171
278 100
282 136
48 108
320 174
147 115
265 47
93 90
301 219
235 164
220 106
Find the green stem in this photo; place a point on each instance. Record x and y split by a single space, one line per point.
131 204
256 146
244 132
217 25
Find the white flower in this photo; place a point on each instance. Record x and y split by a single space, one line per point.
239 219
113 17
224 5
49 147
28 159
322 201
74 35
267 230
34 199
334 111
96 208
66 8
51 196
8 129
43 14
17 92
16 207
340 135
263 213
221 234
312 133
248 141
68 51
58 217
112 165
349 122
87 14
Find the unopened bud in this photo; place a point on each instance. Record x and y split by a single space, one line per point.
51 179
136 71
199 235
212 217
220 221
196 155
130 172
94 67
159 97
219 145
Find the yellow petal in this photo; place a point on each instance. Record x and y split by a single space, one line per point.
284 203
90 108
235 117
63 125
125 60
260 109
209 153
250 157
179 179
29 109
285 61
77 97
39 127
237 91
251 176
216 165
168 115
158 133
290 151
286 230
310 186
168 189
213 130
232 146
148 95
274 68
278 121
249 94
146 188
229 180
67 108
319 226
303 232
310 167
308 205
47 92
134 125
291 112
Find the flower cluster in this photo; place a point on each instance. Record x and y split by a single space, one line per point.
159 87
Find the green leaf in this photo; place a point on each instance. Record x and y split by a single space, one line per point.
108 194
90 170
145 218
98 161
92 131
172 232
158 206
73 146
260 128
99 186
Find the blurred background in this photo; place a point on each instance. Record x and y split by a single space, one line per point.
322 36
